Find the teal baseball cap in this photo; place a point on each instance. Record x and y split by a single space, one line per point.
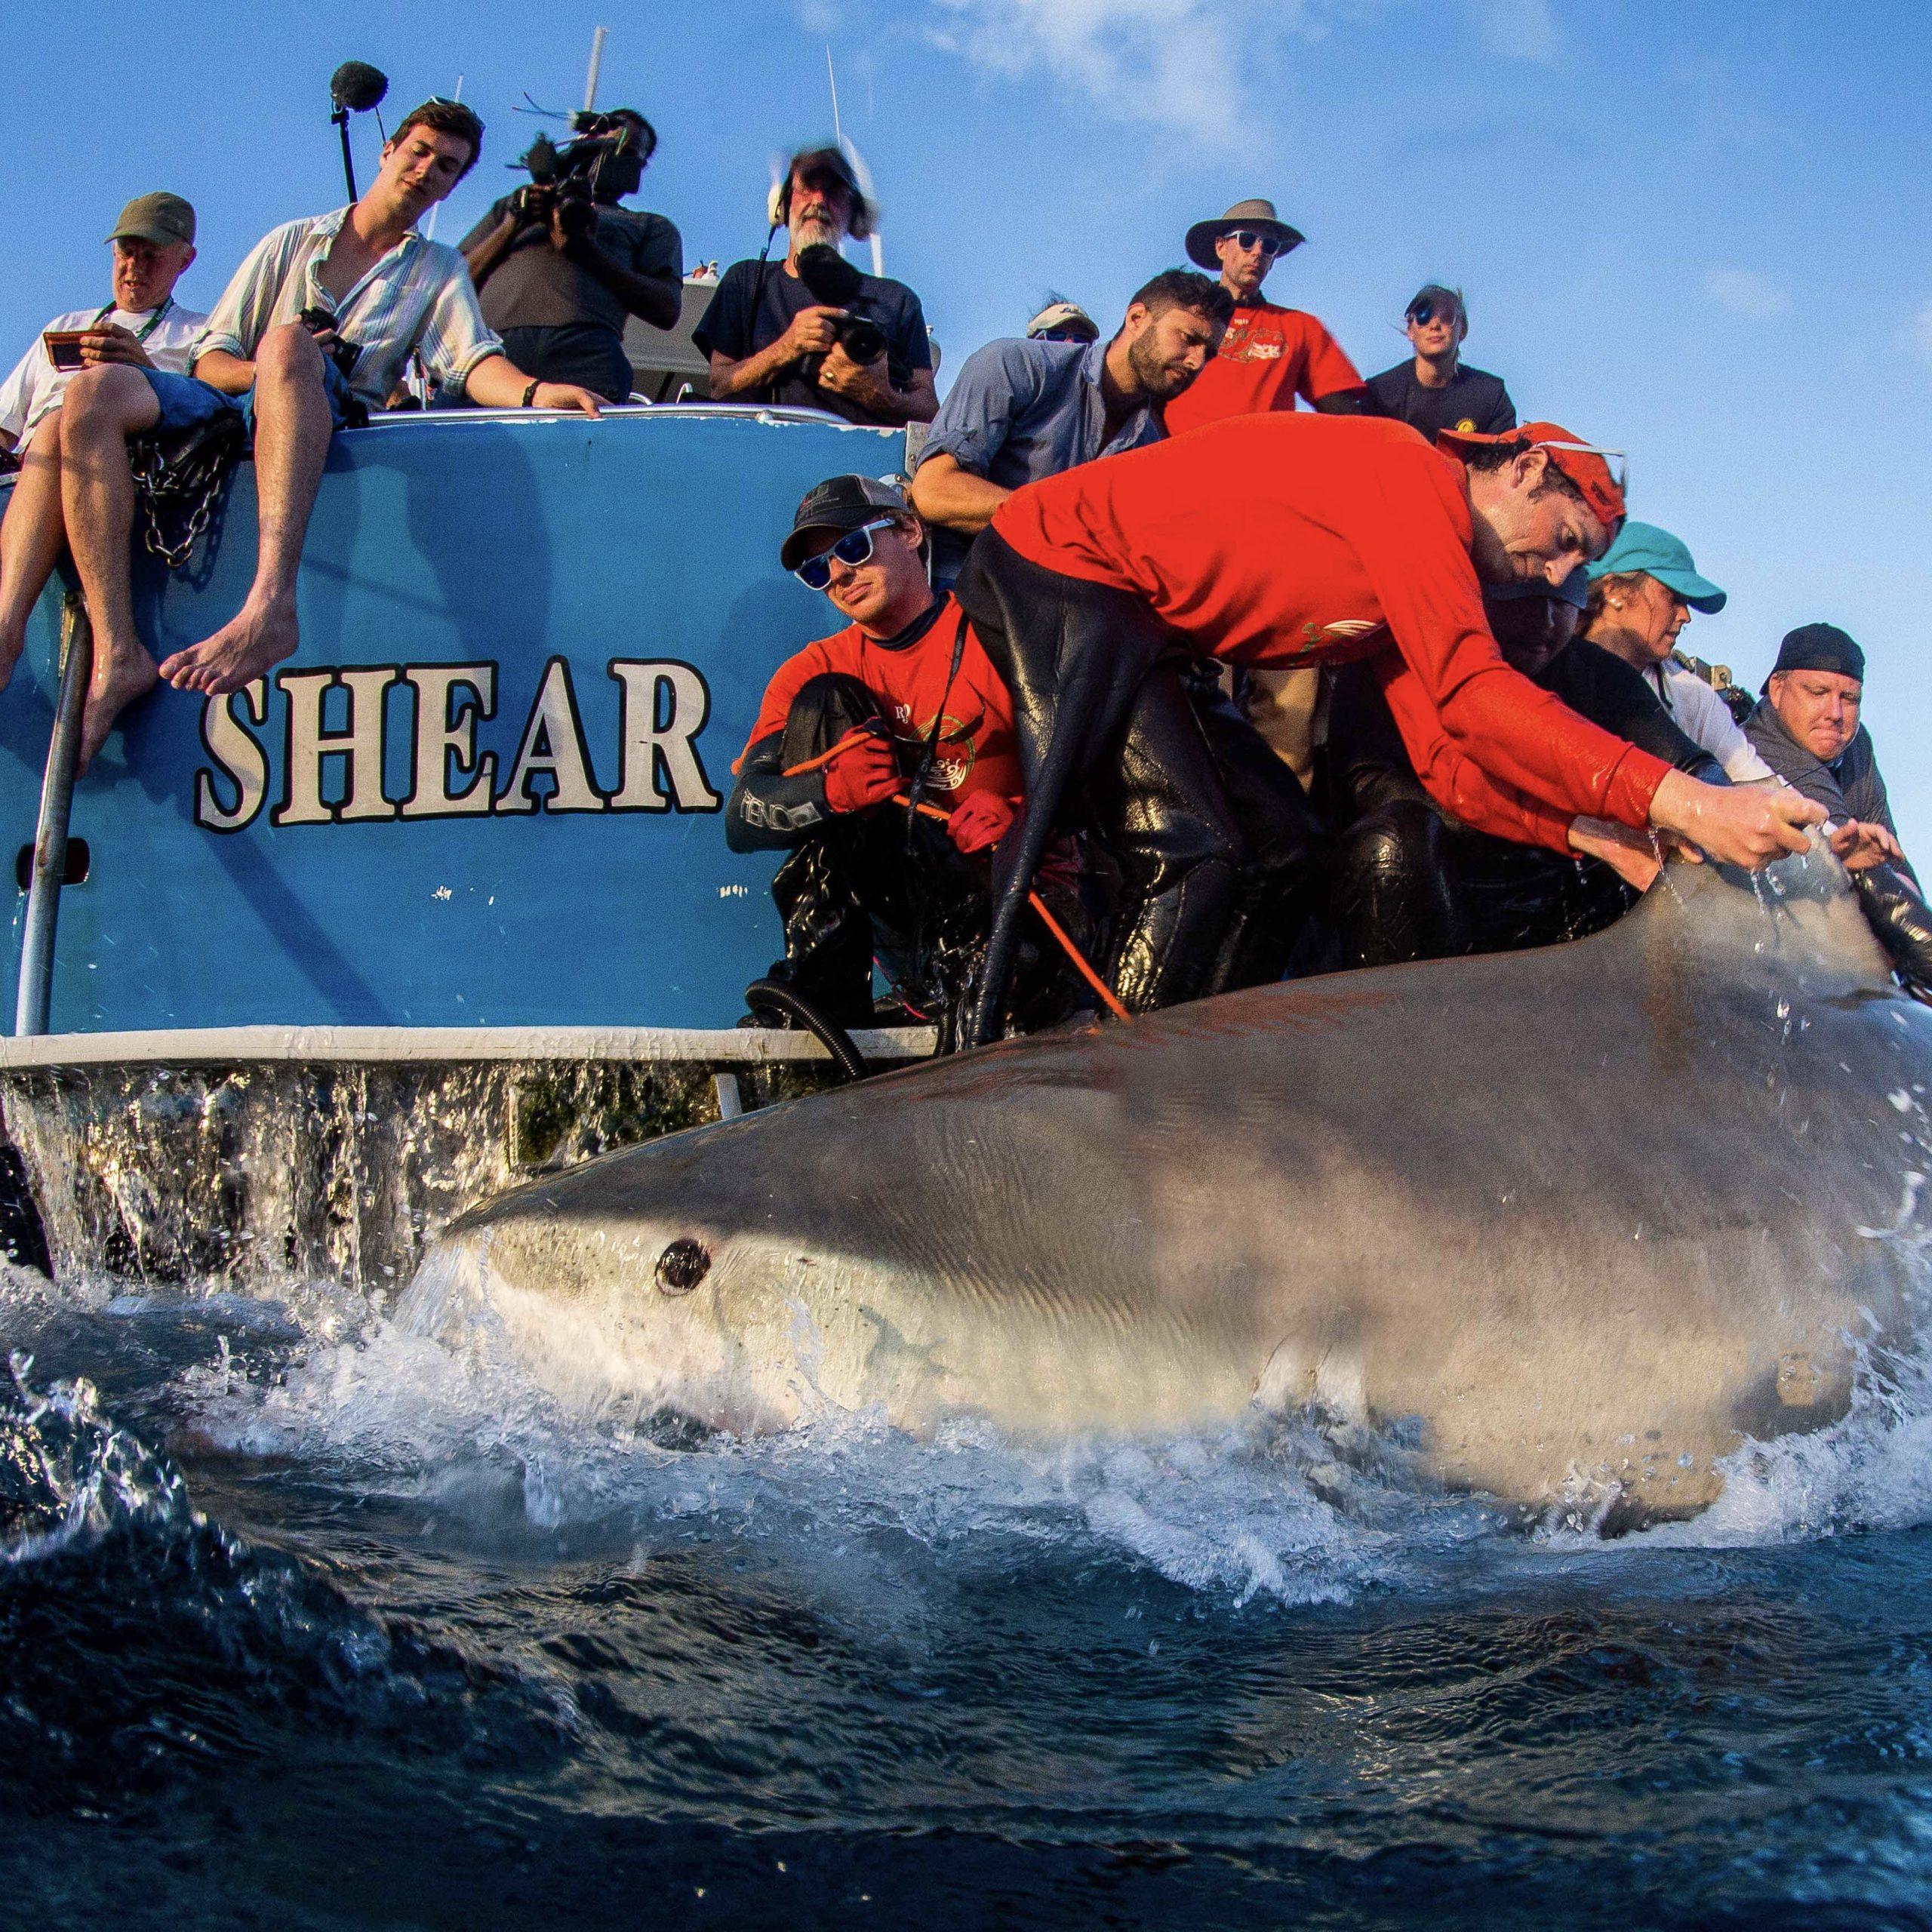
1643 546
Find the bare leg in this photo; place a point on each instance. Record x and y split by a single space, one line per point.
103 408
292 430
31 540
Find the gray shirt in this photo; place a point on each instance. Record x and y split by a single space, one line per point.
1019 410
535 287
1851 787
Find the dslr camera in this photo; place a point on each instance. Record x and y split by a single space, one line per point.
833 281
567 178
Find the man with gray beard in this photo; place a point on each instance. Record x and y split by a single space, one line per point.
771 341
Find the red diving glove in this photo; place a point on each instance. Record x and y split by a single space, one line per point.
866 773
981 823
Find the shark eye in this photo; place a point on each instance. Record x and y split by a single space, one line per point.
681 1266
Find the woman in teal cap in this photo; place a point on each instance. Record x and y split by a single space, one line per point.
1643 589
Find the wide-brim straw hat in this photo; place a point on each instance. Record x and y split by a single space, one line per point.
1256 214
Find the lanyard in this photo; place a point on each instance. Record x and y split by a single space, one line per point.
148 328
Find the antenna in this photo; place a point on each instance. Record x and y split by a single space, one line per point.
851 151
596 66
429 233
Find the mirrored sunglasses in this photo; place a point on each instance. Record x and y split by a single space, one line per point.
1425 312
853 548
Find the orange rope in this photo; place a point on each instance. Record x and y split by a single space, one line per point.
1052 926
845 744
1033 899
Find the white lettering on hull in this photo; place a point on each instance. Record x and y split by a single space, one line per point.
342 745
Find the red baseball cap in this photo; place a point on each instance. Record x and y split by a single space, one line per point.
1584 463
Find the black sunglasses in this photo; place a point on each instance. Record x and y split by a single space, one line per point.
1248 238
853 548
1425 312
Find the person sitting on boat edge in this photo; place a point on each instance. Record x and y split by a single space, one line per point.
557 278
1643 589
314 329
770 340
1436 389
1022 409
1288 538
142 324
883 760
1270 355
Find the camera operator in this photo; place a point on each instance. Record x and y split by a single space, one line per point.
559 265
771 340
153 242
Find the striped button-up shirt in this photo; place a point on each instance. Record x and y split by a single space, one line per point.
419 298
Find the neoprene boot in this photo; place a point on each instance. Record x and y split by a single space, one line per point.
1393 899
1903 921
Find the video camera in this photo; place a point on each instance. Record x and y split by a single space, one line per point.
833 281
568 178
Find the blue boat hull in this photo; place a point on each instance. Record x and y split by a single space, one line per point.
488 790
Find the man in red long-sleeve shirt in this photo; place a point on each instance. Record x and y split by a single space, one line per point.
1287 539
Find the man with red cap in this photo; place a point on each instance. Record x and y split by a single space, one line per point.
1285 539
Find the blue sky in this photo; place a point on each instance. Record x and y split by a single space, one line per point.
1697 231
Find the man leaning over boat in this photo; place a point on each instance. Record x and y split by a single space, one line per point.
315 330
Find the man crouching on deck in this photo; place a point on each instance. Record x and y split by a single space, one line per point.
318 325
883 761
1282 539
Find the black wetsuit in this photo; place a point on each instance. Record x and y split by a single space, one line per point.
1408 885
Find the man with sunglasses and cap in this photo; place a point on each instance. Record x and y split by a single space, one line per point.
771 341
899 710
1437 390
143 325
1292 539
1270 355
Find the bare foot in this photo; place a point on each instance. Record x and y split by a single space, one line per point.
238 654
117 682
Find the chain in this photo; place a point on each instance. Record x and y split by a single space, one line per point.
198 479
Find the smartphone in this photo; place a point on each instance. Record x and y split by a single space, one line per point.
63 348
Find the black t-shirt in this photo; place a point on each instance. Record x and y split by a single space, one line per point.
1474 400
729 328
535 287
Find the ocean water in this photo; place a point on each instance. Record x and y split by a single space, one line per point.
305 1621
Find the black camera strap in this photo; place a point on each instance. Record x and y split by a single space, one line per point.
916 793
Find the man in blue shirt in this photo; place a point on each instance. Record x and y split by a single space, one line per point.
1022 410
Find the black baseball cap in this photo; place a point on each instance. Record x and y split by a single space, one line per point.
840 502
1819 648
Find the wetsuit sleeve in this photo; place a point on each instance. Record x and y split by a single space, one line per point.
767 811
1453 779
1407 526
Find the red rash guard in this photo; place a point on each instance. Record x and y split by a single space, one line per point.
1294 538
1268 356
976 752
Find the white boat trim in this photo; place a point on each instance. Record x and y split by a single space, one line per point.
420 1045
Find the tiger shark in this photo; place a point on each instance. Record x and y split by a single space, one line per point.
1570 1224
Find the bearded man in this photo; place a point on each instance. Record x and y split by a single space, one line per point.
771 341
1022 410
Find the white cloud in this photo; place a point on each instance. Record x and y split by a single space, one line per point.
1171 62
1915 338
1523 29
1178 64
1746 293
